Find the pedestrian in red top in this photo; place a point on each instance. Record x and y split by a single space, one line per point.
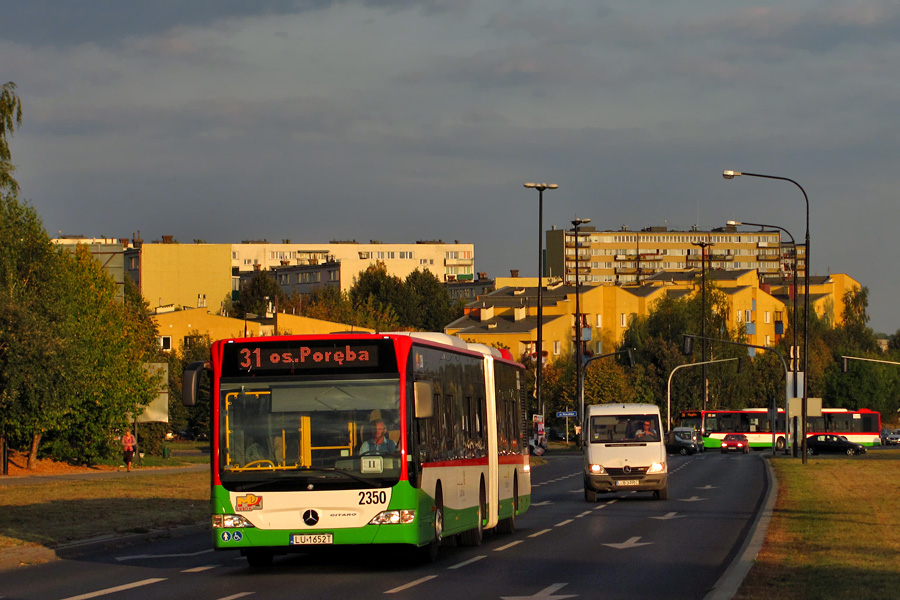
128 443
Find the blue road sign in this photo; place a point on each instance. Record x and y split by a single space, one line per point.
568 413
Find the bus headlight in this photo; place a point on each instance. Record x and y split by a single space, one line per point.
598 470
657 468
394 517
230 521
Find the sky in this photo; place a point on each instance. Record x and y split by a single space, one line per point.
400 121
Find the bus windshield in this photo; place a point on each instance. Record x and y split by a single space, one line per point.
336 432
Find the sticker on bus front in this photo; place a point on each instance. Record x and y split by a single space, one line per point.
371 464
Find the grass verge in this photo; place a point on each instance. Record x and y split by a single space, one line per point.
51 514
833 532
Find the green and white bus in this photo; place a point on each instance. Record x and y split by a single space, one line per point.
395 438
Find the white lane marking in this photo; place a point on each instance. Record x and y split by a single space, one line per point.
468 562
541 532
667 516
509 545
184 555
692 499
544 503
118 588
566 522
544 594
411 584
234 597
584 514
200 569
631 543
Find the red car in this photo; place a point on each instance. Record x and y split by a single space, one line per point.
735 442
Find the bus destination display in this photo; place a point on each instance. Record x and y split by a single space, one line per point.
268 357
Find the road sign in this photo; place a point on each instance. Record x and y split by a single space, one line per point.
568 413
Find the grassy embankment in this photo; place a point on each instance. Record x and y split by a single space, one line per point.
833 532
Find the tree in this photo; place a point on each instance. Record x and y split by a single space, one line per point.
258 293
194 420
427 302
10 118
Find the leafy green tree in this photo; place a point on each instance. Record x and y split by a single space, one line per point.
427 302
383 289
258 293
10 118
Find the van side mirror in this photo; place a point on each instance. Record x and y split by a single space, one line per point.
424 399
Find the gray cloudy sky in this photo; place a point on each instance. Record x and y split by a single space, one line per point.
399 121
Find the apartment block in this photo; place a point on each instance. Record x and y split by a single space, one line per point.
625 257
448 262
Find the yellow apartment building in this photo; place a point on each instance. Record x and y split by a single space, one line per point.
507 317
172 275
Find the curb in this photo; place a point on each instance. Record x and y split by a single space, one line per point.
24 556
730 581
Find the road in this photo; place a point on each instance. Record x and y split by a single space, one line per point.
626 546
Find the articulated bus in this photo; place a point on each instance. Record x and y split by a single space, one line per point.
862 426
395 438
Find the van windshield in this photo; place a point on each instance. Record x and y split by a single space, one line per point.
607 429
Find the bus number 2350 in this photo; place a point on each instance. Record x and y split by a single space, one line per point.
373 497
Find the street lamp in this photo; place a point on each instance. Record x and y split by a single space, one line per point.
803 406
796 360
579 384
540 187
703 246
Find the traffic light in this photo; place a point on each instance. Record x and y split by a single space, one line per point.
845 364
631 357
740 365
688 347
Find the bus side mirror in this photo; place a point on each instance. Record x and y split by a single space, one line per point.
190 382
424 399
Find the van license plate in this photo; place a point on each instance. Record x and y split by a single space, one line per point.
309 539
622 482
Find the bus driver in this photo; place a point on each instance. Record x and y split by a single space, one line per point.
380 443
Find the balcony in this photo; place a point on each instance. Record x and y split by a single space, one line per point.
459 262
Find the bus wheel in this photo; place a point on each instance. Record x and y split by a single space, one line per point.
474 537
662 494
259 558
508 525
589 494
429 552
780 444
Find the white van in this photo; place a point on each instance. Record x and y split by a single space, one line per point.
624 450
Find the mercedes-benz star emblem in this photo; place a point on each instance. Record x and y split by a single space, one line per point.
310 517
627 469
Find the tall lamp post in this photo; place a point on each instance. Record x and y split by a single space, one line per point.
579 383
805 402
540 187
703 247
795 359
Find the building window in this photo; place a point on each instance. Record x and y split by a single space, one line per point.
557 348
623 320
599 320
165 343
748 316
768 317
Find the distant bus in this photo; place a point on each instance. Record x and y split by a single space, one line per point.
398 438
861 426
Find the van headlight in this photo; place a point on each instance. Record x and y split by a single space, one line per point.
657 468
598 470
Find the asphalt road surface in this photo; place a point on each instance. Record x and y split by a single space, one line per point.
625 546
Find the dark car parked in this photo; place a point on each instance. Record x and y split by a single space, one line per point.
826 443
680 441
